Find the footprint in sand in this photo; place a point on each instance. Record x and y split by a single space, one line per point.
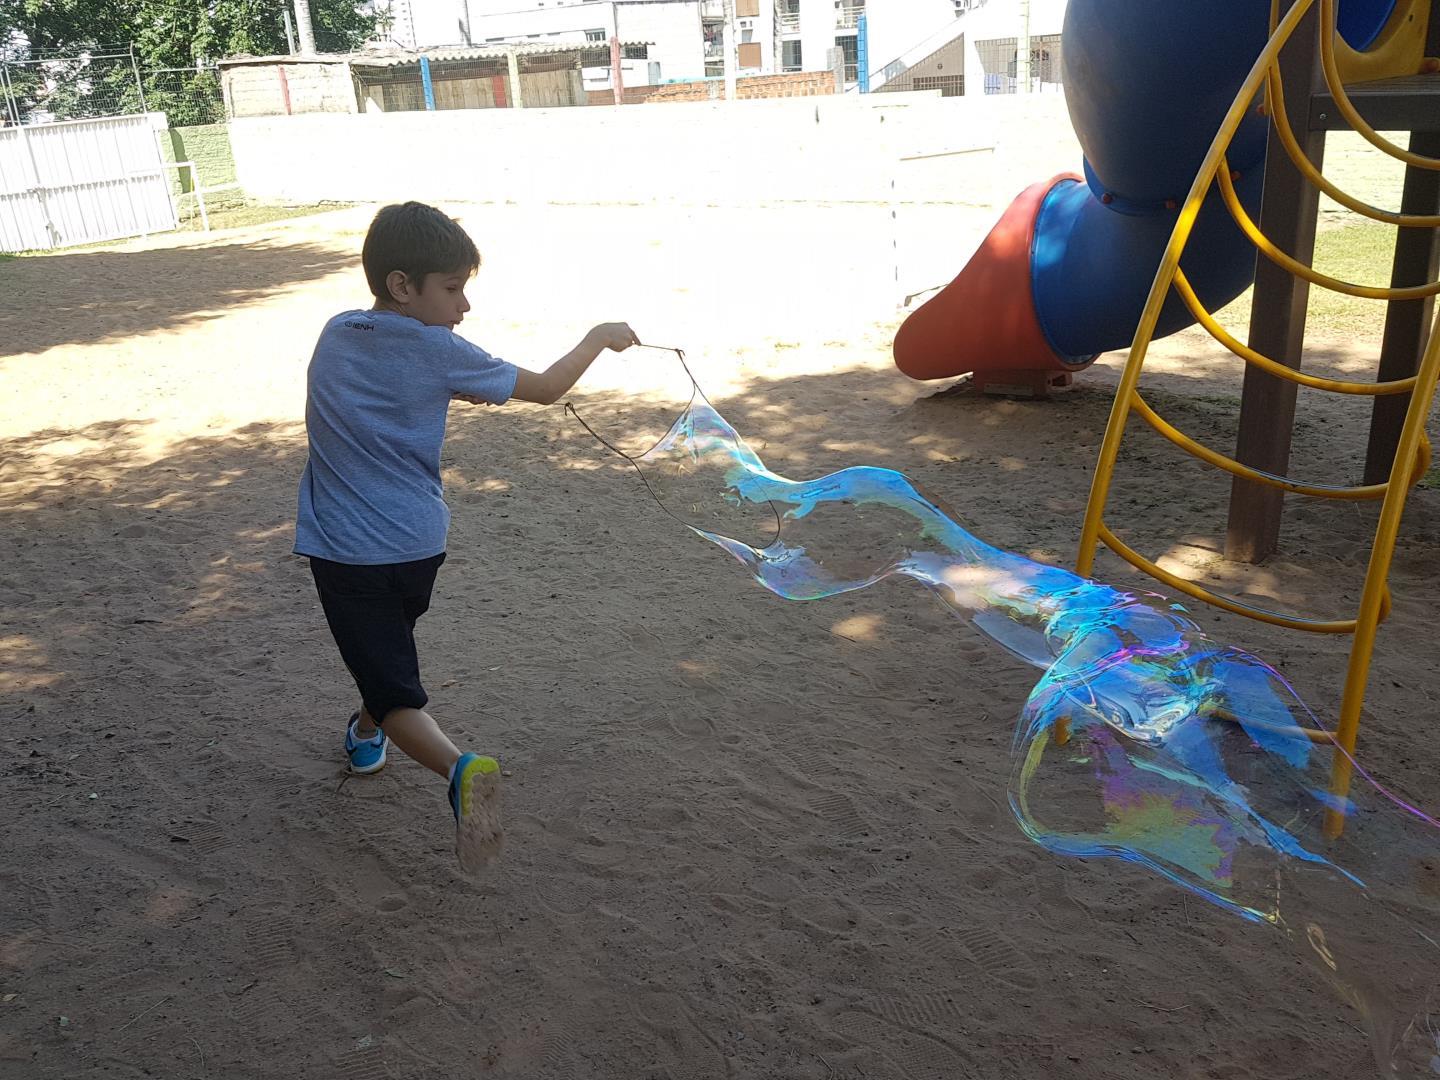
918 1056
272 944
997 956
366 1064
561 1057
839 810
682 1040
204 837
934 1012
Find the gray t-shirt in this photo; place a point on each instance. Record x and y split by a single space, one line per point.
378 391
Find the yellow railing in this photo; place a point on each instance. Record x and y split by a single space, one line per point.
1412 456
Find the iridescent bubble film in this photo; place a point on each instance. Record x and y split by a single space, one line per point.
1143 740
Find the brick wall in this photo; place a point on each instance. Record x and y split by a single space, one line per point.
795 84
633 95
287 88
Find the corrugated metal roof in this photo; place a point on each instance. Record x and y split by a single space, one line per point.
497 50
440 54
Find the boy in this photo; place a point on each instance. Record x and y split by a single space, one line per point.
372 516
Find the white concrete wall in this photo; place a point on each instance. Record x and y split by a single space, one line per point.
906 147
895 27
673 28
559 24
859 210
817 33
436 22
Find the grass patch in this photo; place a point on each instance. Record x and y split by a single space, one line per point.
1430 481
231 216
1361 254
240 215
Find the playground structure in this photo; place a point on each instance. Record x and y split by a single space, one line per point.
1058 279
1397 37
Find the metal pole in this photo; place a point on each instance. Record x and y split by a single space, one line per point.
426 84
1022 54
52 233
139 86
512 65
12 102
728 38
289 31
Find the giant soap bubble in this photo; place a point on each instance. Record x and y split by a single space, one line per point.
1144 739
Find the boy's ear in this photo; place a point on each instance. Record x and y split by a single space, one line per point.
399 285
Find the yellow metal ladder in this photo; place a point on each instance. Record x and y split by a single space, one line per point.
1412 455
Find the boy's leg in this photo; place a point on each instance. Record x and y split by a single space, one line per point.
365 725
474 783
416 732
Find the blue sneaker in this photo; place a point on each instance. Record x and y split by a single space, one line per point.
475 801
366 755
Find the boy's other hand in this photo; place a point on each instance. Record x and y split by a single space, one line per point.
616 336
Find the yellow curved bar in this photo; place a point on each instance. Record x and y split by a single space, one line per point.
1336 84
1315 735
1274 367
1235 468
1164 275
1199 592
1374 600
1399 50
1299 269
1275 103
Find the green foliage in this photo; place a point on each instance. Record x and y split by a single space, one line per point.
179 35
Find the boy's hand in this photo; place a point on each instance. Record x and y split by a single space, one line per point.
616 336
472 399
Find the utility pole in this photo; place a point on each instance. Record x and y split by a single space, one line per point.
1022 54
729 47
304 27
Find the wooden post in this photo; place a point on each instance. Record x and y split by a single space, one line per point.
617 79
1288 213
1407 322
512 62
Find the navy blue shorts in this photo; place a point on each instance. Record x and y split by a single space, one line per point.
372 612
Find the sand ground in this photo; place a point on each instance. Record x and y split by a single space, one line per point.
747 838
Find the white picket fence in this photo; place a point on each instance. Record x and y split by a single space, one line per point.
79 181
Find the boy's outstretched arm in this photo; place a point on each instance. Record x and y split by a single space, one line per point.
549 386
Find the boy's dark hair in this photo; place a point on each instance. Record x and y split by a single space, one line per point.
418 240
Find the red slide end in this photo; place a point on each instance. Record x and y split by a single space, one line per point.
984 321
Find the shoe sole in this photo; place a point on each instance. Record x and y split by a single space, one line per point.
479 837
368 769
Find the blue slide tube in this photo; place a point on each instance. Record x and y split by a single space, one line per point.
1147 86
1065 274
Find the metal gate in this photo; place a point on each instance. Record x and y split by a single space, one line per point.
79 181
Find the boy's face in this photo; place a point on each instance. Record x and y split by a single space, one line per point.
441 301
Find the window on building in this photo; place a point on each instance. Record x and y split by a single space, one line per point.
848 12
747 9
847 45
636 52
749 55
790 56
594 35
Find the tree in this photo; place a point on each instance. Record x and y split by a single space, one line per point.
182 36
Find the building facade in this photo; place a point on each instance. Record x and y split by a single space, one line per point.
686 37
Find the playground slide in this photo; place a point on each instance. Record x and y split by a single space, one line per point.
1065 273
